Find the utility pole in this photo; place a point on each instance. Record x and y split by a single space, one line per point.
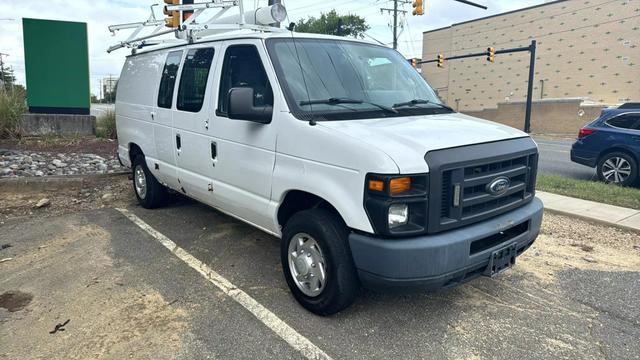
2 68
395 12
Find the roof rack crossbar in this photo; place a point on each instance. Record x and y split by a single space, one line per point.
191 29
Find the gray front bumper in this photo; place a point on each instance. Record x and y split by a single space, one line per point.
439 260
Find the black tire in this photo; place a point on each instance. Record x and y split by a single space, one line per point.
156 195
610 158
331 234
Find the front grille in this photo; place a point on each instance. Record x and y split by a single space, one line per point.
463 184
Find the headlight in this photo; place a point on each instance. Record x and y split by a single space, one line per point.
398 215
397 204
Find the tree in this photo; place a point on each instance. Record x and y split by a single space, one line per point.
333 24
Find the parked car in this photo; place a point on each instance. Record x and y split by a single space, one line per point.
611 144
339 148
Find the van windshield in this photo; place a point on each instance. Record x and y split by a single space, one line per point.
329 79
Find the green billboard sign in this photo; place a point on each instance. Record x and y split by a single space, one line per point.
57 66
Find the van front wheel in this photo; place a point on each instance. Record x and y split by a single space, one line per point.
317 262
149 192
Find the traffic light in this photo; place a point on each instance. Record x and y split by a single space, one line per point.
440 60
173 17
414 63
491 54
418 9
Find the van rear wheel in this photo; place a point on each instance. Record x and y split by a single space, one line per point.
149 192
317 262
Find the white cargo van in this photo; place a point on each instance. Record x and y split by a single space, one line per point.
339 148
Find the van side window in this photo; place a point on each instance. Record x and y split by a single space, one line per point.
626 121
243 68
168 81
193 81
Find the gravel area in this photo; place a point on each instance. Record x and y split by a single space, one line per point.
17 163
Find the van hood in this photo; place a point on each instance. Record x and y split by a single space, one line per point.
407 139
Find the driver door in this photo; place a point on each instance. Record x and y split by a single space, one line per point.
245 154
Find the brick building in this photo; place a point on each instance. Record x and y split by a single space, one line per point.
586 49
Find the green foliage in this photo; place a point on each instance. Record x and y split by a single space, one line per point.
333 24
12 106
106 127
590 190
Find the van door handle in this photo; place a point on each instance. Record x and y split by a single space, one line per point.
178 142
214 151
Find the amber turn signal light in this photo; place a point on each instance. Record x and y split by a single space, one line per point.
376 185
399 185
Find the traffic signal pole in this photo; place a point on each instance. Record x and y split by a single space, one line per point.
532 62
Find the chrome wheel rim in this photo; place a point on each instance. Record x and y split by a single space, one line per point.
616 169
140 182
307 264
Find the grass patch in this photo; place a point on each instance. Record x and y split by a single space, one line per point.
106 125
590 190
12 106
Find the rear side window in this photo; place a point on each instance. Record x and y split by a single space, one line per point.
168 81
243 68
626 121
193 81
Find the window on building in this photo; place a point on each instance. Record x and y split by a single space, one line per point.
626 121
243 68
193 81
168 81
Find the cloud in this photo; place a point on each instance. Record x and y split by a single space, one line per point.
99 14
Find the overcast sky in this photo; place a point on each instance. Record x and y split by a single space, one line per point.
98 14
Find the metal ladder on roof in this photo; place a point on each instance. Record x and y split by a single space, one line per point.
189 24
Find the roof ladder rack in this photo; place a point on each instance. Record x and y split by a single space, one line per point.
194 28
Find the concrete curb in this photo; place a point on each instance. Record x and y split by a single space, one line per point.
53 183
611 215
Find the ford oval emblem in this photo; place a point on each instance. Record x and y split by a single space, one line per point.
498 186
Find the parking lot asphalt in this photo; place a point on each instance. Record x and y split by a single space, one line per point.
555 159
126 295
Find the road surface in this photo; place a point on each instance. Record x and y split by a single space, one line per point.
126 295
555 160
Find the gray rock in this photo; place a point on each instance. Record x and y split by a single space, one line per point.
38 173
43 203
107 197
5 172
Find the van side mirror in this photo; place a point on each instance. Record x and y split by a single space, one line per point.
240 106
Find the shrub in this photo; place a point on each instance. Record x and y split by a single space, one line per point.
12 106
107 125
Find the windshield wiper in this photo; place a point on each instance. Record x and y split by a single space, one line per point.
415 102
340 101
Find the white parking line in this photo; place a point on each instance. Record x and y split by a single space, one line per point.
286 332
